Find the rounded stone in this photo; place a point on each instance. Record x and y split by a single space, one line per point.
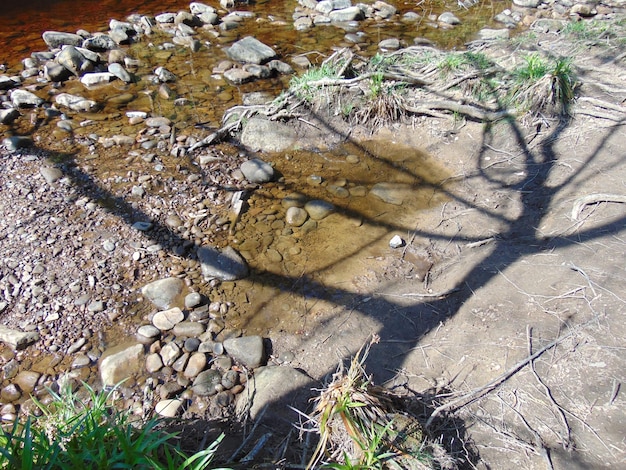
319 209
27 380
169 408
197 363
191 344
230 379
10 393
294 200
167 319
153 362
257 171
193 299
296 216
188 329
149 331
206 383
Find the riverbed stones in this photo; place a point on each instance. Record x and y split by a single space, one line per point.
96 79
268 136
73 60
7 116
16 142
167 319
449 18
489 34
26 380
196 364
120 72
391 193
248 350
225 265
163 292
120 362
188 329
170 352
251 50
257 171
353 13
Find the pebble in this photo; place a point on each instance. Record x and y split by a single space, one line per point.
197 363
169 408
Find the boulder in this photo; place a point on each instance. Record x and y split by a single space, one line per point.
346 14
95 79
72 59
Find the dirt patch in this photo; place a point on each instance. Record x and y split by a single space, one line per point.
516 270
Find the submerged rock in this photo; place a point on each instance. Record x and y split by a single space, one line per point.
257 171
225 265
163 292
120 363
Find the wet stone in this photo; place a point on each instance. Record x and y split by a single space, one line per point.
163 292
319 209
230 379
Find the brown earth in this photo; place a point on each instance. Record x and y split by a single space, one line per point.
517 267
514 269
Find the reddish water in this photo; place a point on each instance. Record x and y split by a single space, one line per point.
23 21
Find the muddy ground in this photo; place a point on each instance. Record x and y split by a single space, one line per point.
521 261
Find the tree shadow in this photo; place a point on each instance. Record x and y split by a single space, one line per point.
519 237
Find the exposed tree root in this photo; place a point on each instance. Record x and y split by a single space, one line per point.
580 203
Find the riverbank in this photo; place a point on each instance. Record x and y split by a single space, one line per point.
75 258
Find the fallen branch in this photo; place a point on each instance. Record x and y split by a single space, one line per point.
495 383
581 202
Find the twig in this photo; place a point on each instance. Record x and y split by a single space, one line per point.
581 202
567 439
538 445
257 448
480 242
428 296
482 391
249 437
603 104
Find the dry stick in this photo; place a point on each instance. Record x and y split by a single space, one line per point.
539 445
581 202
249 438
601 115
257 448
481 391
568 438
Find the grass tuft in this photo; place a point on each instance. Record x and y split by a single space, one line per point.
92 433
